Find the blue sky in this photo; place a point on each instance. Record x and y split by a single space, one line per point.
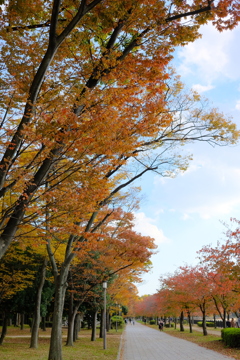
187 212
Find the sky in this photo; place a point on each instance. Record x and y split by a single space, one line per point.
185 213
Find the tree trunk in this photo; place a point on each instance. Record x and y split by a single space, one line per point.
4 327
36 314
69 341
189 321
224 318
94 325
175 323
108 325
55 351
18 320
77 327
44 323
204 323
22 321
181 322
71 321
101 325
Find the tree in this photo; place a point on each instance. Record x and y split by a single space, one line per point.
190 288
176 297
17 273
222 264
37 308
91 100
64 94
116 249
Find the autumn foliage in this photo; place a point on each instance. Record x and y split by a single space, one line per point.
89 104
207 289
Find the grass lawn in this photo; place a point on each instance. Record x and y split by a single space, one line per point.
16 346
212 342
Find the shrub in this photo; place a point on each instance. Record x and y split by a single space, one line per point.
208 323
231 337
117 319
152 322
168 325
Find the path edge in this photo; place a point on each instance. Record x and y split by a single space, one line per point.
120 350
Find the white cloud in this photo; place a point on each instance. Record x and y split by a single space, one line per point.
193 167
238 105
145 226
218 208
211 57
208 189
158 212
202 88
185 217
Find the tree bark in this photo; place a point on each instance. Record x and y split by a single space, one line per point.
108 321
94 325
189 321
224 318
22 321
37 315
181 322
101 325
4 327
71 322
204 323
44 323
77 327
55 351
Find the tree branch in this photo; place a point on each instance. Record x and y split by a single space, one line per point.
195 12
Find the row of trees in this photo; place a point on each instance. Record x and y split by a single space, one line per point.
210 288
118 255
88 105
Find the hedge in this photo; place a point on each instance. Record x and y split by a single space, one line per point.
208 323
231 337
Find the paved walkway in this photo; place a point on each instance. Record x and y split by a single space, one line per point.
143 343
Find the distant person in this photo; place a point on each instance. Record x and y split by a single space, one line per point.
228 323
160 325
238 322
233 323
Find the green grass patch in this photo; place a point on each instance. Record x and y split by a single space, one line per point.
17 348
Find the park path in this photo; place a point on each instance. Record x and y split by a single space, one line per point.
143 343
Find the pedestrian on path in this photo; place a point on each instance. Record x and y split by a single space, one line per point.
160 325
